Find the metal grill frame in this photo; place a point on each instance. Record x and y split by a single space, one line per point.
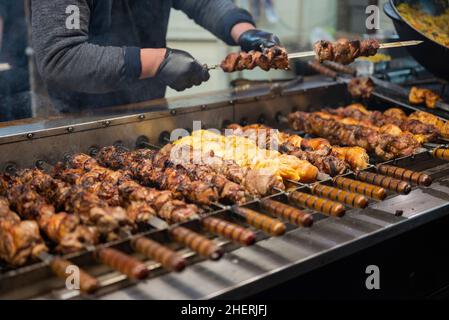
269 102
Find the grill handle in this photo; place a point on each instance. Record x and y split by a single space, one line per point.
196 242
293 215
229 231
389 183
88 284
351 199
410 176
441 153
168 258
368 190
324 206
270 226
123 263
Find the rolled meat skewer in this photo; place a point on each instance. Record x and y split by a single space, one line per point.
418 178
368 190
263 222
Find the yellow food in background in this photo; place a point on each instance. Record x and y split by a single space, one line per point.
380 57
434 27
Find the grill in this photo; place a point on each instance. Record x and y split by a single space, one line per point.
243 270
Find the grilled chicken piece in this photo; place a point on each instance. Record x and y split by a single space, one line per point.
392 121
356 157
426 96
361 87
430 119
20 241
395 113
88 207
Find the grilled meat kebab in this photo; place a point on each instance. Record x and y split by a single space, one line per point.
386 120
142 168
270 58
319 152
353 133
345 51
140 202
62 228
87 206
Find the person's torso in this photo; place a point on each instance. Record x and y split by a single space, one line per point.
138 23
141 23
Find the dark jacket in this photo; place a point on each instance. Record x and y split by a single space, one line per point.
99 64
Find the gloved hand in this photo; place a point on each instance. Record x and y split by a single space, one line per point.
180 71
257 40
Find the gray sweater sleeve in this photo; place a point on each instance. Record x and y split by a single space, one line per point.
217 16
67 60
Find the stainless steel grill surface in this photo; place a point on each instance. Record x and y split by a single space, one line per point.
243 271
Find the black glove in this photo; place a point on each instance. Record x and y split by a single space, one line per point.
257 40
180 71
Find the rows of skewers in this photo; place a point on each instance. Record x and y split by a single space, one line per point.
87 200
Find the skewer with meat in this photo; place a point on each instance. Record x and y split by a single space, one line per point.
143 170
387 120
344 51
196 172
385 146
247 154
270 58
330 159
20 241
322 160
85 205
62 228
426 96
226 189
256 182
140 202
